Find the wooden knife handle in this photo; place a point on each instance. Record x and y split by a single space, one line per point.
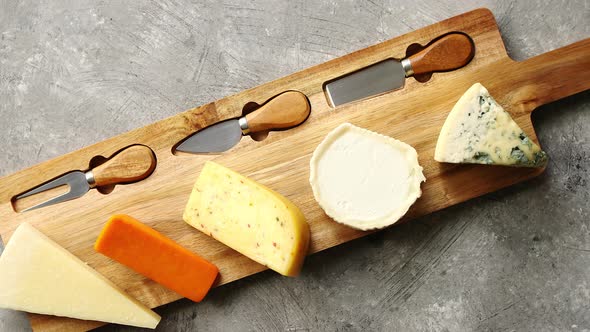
287 110
450 52
132 164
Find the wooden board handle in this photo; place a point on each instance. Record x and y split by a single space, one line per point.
287 110
450 52
129 165
550 76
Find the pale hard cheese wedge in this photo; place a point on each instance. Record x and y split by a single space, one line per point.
479 131
39 276
363 179
250 218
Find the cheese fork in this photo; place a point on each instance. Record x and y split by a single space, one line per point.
131 164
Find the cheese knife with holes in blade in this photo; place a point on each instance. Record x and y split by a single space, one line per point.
286 110
449 52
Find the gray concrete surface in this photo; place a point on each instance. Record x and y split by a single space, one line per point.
75 72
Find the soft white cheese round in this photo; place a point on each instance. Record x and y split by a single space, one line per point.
364 179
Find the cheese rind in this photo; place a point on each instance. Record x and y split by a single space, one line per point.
249 218
479 131
39 276
364 179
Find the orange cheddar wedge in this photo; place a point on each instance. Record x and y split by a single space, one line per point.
155 256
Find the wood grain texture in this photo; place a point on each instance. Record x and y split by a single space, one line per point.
285 111
450 52
135 163
414 115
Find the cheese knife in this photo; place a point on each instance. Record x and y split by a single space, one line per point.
449 52
284 111
131 164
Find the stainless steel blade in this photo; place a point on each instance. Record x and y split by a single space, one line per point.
381 77
217 138
75 180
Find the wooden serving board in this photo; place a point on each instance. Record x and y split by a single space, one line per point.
414 115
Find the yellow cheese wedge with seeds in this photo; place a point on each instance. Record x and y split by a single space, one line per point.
250 218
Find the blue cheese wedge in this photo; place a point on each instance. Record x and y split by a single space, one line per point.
363 179
479 131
